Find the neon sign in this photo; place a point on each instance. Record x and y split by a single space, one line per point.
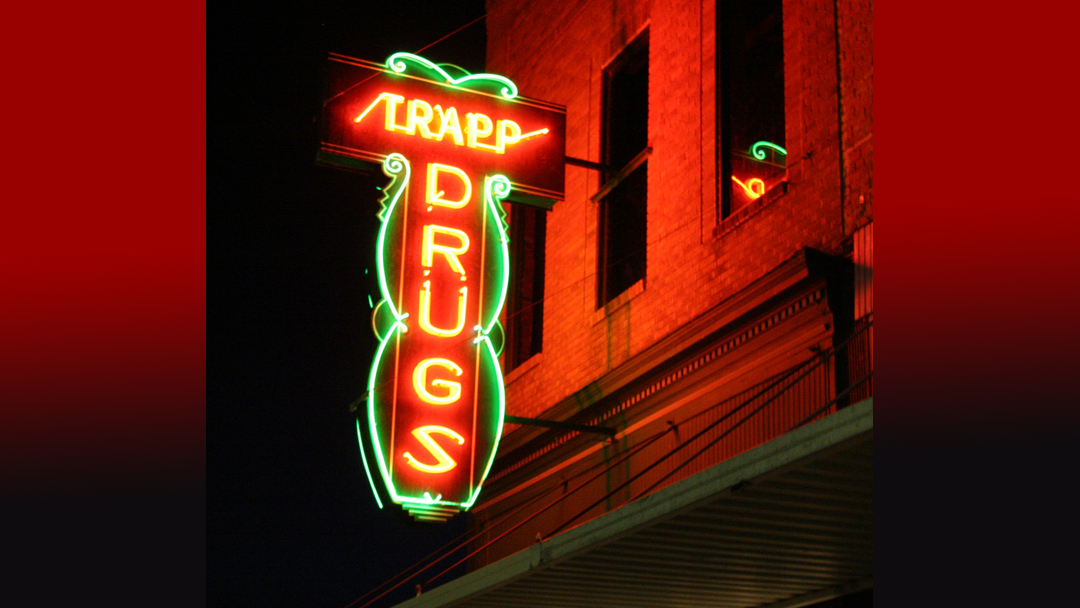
754 187
759 153
475 122
420 114
435 395
396 62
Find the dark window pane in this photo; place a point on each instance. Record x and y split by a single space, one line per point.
751 100
622 235
627 112
525 302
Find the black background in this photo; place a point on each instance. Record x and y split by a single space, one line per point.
290 517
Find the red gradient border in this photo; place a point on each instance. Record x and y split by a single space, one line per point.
103 242
977 247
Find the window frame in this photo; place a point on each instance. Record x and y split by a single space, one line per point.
637 50
725 83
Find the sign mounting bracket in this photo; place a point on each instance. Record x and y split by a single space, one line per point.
583 428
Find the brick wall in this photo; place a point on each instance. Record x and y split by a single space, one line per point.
556 51
856 26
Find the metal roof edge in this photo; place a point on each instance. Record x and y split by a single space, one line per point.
846 424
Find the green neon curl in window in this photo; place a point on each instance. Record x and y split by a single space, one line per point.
396 62
760 154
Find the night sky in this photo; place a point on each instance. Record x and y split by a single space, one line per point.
290 517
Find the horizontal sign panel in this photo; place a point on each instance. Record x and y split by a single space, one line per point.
422 110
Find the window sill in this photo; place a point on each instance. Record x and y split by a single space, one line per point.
736 219
619 301
523 369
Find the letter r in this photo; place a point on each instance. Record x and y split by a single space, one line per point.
430 248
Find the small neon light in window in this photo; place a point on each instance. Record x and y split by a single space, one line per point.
754 188
759 154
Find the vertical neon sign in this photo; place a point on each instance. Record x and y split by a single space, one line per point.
435 395
435 391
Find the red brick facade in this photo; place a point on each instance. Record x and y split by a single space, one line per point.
697 264
556 51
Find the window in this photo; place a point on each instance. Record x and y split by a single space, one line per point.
751 99
622 229
525 300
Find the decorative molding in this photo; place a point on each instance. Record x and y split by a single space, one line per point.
784 276
661 382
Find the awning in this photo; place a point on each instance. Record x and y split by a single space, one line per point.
786 524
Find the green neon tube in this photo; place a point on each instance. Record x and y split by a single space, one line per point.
396 62
760 154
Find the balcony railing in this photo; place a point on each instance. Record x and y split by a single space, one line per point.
806 392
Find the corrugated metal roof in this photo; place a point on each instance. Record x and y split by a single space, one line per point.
785 524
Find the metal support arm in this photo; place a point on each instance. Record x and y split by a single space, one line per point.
603 430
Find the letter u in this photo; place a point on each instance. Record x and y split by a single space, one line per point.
425 312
